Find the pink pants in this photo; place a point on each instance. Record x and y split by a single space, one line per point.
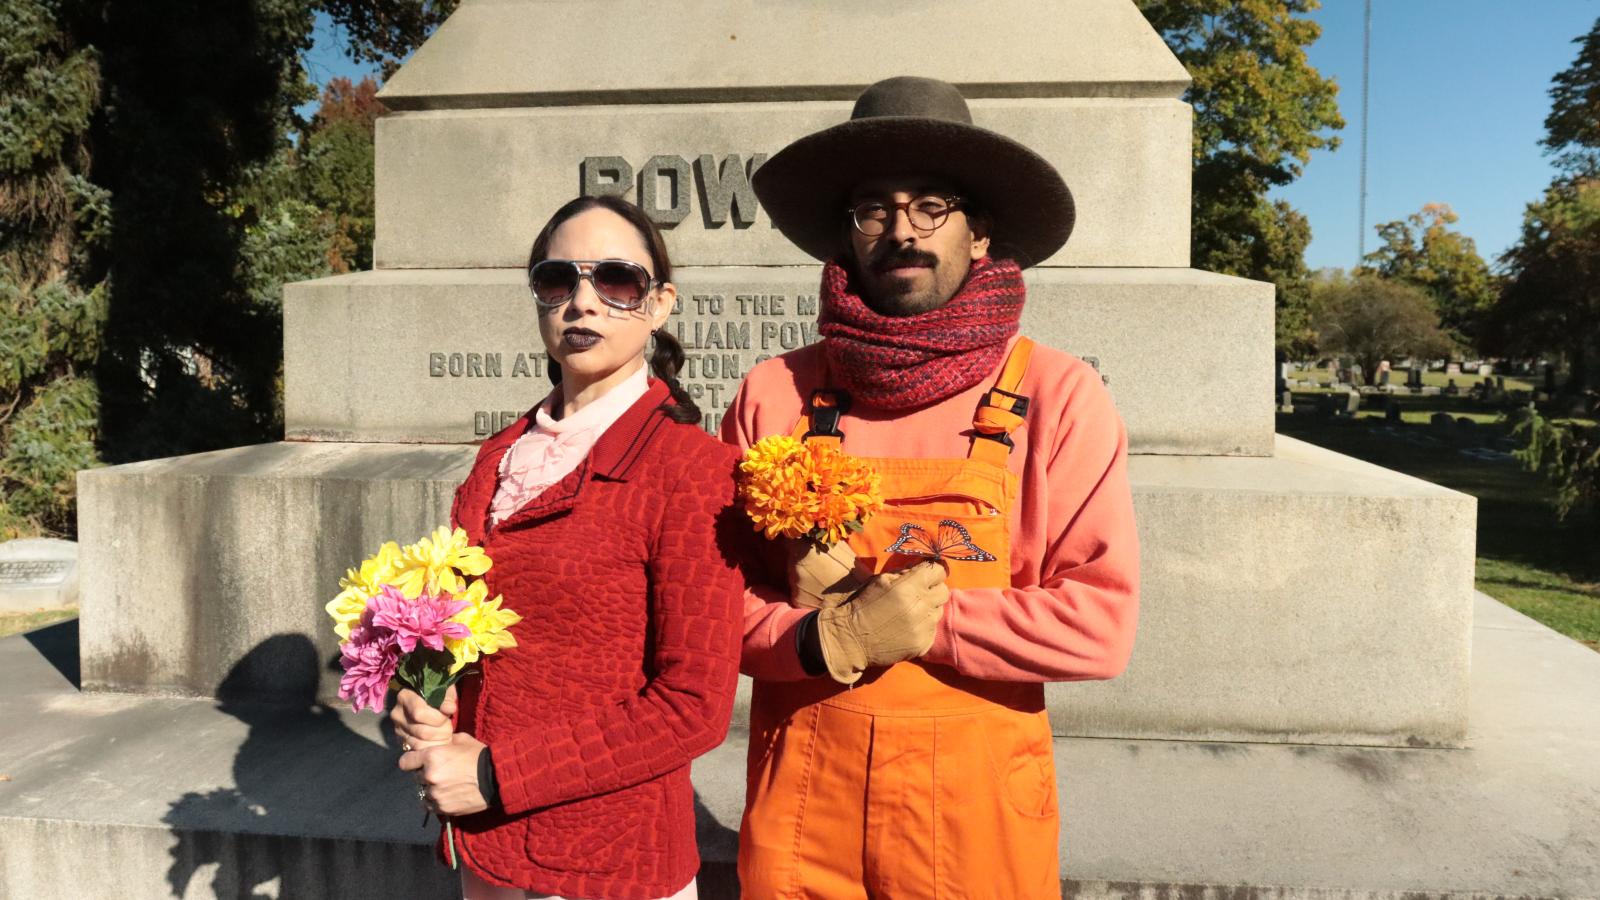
475 888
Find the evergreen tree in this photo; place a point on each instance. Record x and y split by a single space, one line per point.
52 303
152 203
1551 303
1572 130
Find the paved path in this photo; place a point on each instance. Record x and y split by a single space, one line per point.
134 796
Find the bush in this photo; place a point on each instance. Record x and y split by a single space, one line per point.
1568 455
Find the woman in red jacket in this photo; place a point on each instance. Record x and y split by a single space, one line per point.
608 514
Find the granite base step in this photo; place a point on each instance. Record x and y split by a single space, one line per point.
140 797
1305 597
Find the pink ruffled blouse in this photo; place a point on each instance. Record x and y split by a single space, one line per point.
551 449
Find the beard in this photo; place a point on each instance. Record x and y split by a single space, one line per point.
893 296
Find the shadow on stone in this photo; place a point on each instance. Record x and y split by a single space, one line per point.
58 644
300 770
719 848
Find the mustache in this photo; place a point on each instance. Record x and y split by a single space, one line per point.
902 256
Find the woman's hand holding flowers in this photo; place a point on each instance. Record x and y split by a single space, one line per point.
448 774
419 725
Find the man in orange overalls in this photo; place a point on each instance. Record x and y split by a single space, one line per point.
899 746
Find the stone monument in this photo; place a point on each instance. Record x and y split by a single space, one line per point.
486 139
207 574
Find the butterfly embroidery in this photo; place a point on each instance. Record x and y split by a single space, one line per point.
953 541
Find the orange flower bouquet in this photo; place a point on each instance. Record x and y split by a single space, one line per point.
812 495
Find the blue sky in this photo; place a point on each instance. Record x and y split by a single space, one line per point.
327 59
1458 101
1459 96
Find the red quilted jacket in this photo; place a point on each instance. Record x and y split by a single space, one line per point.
626 660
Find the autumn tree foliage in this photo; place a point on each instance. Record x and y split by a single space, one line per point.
1423 251
1260 109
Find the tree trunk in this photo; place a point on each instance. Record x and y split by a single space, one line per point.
1579 369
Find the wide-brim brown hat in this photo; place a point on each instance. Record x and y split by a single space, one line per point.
905 126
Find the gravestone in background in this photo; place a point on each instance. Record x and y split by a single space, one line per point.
392 375
38 573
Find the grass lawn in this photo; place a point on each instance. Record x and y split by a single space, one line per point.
1544 568
18 622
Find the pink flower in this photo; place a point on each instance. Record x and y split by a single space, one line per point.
424 620
390 628
369 658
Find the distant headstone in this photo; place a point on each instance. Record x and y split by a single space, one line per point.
1486 369
1383 377
1414 376
38 573
1352 403
1453 368
1500 383
1450 390
1286 402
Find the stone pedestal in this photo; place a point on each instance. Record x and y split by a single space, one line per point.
1290 595
1282 585
1301 598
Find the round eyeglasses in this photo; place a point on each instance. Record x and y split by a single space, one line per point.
873 217
621 283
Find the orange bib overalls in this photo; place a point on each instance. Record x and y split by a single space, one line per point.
918 782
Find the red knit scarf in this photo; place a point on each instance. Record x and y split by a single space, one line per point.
902 362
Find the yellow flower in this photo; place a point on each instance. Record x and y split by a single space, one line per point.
488 623
437 564
358 586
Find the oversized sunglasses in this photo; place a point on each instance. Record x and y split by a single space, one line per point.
621 283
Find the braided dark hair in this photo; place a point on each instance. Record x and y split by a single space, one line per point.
666 360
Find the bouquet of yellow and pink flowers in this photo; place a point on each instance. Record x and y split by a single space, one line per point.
814 495
416 616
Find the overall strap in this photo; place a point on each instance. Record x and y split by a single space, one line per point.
821 420
1002 410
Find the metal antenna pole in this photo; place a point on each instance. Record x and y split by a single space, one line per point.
1366 75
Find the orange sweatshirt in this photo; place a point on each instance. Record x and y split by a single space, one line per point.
1073 602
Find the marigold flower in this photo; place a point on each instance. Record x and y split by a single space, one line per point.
797 489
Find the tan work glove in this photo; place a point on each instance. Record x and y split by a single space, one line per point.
893 618
822 576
